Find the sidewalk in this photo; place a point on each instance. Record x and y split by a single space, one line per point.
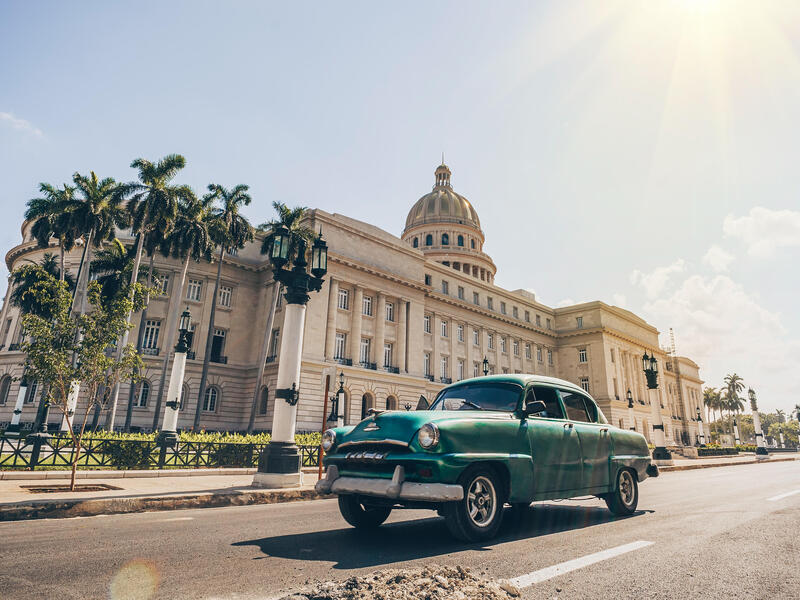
141 491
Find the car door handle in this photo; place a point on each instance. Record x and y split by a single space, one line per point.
568 425
604 430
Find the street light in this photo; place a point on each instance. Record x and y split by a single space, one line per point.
701 435
761 446
485 366
13 429
337 400
631 415
279 463
661 455
168 436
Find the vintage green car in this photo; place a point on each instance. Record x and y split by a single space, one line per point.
484 442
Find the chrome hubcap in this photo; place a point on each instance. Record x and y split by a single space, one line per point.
626 489
481 501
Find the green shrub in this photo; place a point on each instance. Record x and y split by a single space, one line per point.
746 448
129 454
233 455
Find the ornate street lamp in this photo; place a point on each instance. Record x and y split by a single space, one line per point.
279 463
13 429
168 436
661 455
335 419
485 366
631 414
700 434
761 446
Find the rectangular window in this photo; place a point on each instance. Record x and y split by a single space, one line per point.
344 299
476 337
445 288
490 341
387 355
490 303
612 356
225 294
582 355
539 353
366 305
190 337
460 332
515 312
426 364
194 289
502 344
516 348
339 346
151 331
460 292
426 323
390 311
6 329
163 283
548 324
444 366
218 345
549 357
585 383
476 298
428 279
273 342
444 328
30 394
475 370
279 303
528 351
363 355
460 370
579 322
502 308
527 316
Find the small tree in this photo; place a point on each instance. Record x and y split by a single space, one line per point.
63 348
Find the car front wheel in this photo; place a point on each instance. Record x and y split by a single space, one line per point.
360 515
478 515
625 497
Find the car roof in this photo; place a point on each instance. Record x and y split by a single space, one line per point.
524 379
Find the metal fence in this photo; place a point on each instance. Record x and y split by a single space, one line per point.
58 452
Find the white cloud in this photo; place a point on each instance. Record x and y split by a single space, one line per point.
19 124
620 300
655 282
764 231
718 258
565 302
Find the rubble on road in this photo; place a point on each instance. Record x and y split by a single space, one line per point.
431 583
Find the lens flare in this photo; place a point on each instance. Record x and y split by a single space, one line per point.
136 580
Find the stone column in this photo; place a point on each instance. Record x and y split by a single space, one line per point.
168 434
468 360
453 359
497 368
380 328
435 335
484 349
13 430
330 326
355 325
401 335
72 403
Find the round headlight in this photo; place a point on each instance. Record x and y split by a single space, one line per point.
328 439
428 436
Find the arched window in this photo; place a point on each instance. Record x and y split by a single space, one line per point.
416 242
184 394
445 239
142 394
366 403
472 244
262 400
210 399
460 240
5 385
429 240
391 403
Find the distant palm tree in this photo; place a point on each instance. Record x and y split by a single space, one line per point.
52 218
112 266
228 229
781 415
710 401
291 219
797 412
733 385
30 277
188 240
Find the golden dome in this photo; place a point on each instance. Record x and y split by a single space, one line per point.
442 205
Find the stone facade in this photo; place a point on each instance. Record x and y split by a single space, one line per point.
399 321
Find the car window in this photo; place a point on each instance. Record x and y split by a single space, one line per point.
573 403
480 396
591 409
549 396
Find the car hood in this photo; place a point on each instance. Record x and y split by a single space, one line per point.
401 426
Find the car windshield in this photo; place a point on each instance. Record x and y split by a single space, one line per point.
480 396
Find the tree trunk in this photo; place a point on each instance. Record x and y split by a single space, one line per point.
209 340
81 267
172 317
61 252
276 291
137 261
139 339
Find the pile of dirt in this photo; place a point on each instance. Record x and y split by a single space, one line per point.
429 583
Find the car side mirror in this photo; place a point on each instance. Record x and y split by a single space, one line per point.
535 407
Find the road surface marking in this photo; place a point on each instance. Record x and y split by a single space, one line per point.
176 519
529 579
782 496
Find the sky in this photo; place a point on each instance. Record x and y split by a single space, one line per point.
640 153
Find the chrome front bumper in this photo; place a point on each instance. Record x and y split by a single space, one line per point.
395 489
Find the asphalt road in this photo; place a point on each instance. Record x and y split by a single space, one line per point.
729 532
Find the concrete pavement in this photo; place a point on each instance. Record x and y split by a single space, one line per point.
729 532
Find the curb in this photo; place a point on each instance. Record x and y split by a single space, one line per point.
59 509
10 475
672 468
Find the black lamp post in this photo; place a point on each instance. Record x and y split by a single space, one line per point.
279 464
701 435
485 366
336 401
650 368
631 415
168 436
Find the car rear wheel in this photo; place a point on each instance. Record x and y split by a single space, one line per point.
478 515
625 497
360 515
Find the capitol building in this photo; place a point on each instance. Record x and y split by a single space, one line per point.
399 317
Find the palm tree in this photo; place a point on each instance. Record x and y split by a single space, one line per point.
781 415
189 240
51 216
291 220
733 385
97 215
228 229
112 267
29 277
710 397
